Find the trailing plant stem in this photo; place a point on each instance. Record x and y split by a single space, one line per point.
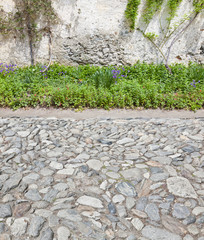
178 35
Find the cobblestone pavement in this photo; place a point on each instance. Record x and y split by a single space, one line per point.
101 179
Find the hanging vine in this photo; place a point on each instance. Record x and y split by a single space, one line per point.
153 6
131 12
173 6
30 18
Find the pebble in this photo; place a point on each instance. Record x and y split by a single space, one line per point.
141 203
189 220
111 208
130 202
126 189
180 211
101 179
63 233
121 211
36 225
118 198
50 195
33 195
47 234
5 211
2 227
95 164
56 165
200 220
198 210
67 171
132 174
152 211
154 233
137 223
131 237
12 182
19 227
125 140
90 201
181 187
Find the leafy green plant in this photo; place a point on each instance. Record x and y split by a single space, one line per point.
142 85
131 12
152 6
103 78
173 6
198 5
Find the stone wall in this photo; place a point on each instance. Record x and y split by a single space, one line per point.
96 32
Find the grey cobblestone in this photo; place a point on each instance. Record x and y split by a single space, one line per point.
101 179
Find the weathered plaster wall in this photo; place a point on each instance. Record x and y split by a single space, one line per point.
95 32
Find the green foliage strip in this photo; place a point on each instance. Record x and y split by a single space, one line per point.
152 6
142 85
131 12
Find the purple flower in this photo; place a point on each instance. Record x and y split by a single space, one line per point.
194 83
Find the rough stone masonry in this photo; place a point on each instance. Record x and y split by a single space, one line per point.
97 33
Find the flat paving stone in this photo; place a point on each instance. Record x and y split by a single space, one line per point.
19 227
181 187
126 189
154 233
33 195
12 182
132 173
5 211
36 225
152 211
63 233
90 201
180 211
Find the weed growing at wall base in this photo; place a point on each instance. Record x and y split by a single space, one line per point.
142 85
